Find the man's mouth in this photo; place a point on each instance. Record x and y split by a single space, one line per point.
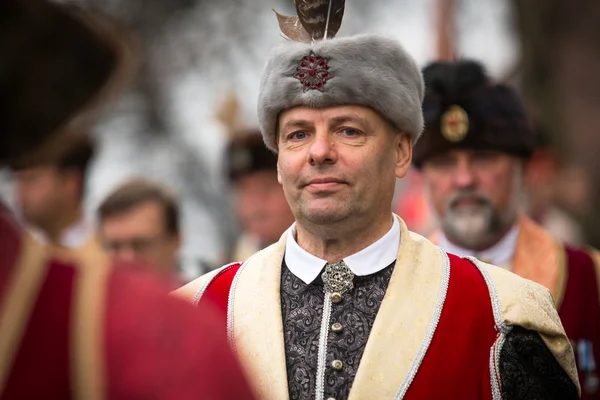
468 201
324 183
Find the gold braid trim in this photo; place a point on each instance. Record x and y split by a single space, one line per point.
22 291
88 368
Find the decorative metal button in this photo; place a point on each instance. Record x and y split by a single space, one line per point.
336 297
337 365
337 278
337 327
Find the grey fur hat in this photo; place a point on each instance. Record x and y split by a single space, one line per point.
367 70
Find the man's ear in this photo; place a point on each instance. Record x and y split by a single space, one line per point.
403 147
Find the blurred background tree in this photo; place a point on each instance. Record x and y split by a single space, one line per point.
560 61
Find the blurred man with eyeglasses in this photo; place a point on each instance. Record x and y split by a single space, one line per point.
139 222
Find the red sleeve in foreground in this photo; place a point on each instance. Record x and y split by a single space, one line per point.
159 347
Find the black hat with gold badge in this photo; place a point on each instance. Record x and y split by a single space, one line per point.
463 109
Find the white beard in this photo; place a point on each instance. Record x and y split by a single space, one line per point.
472 226
478 226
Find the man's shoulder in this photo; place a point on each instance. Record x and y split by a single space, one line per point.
504 287
522 303
189 291
517 295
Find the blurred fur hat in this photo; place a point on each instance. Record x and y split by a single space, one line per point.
246 152
76 151
318 70
463 109
59 66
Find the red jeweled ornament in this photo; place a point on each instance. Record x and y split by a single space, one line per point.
313 72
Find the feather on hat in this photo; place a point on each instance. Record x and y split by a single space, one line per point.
317 69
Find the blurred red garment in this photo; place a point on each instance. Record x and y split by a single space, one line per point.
572 275
90 332
413 206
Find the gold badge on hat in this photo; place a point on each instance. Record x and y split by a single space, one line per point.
455 123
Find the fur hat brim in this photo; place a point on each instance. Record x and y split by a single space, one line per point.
366 70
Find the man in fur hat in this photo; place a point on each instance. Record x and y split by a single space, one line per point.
473 155
72 330
349 304
259 201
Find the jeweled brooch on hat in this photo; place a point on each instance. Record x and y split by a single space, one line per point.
316 20
455 123
313 72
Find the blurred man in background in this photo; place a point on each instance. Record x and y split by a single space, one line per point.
260 203
70 330
474 155
543 177
50 196
139 221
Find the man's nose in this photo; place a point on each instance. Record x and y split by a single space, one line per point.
322 149
464 176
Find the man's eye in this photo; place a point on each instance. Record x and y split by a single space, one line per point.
297 135
485 156
350 132
441 161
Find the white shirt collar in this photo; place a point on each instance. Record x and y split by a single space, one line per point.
368 261
500 254
76 235
72 237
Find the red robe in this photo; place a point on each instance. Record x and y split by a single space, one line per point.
579 312
74 331
462 359
573 278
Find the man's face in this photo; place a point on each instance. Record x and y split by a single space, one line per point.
140 234
261 205
41 193
475 193
339 163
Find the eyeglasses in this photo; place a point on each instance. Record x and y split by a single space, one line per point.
138 245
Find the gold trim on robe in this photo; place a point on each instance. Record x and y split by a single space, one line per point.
20 297
393 343
90 252
258 325
541 258
87 330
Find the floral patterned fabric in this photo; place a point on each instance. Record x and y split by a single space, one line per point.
529 371
302 310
